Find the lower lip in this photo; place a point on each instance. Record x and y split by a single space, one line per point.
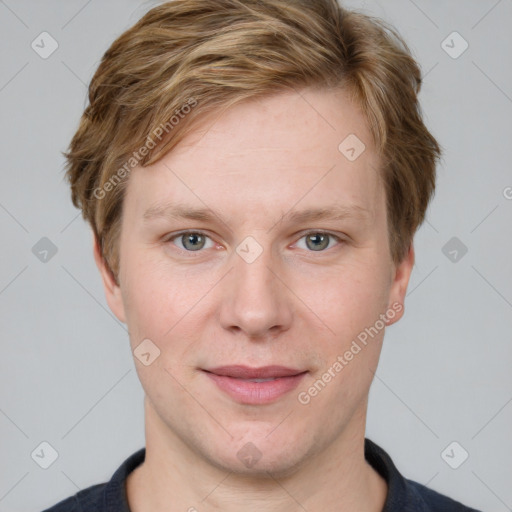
256 393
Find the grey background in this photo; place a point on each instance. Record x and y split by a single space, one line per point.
66 372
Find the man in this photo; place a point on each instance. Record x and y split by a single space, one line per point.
254 173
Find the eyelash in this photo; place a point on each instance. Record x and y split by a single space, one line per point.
312 232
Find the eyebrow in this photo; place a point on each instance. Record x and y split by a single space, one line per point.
180 212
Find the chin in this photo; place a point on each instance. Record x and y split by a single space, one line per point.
256 456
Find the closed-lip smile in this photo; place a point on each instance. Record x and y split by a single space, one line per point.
255 386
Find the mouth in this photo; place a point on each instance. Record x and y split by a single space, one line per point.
255 386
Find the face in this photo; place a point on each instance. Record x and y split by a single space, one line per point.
258 243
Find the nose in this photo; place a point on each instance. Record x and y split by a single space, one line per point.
255 299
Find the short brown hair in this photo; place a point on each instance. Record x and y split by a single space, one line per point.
211 54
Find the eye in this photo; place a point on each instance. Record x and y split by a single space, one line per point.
191 241
319 240
194 241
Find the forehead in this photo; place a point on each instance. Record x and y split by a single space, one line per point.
305 146
286 121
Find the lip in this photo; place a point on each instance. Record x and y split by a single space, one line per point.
232 380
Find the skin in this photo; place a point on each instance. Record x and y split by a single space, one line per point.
293 306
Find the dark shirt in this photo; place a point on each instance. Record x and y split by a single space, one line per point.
403 495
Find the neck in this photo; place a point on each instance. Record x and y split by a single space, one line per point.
174 477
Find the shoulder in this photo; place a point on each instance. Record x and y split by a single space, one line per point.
101 497
433 501
86 500
406 495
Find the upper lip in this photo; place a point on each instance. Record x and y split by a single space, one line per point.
246 372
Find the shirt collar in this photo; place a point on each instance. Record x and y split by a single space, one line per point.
400 494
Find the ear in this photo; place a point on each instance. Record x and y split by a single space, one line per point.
400 280
112 289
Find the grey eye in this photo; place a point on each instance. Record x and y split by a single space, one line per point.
191 241
317 241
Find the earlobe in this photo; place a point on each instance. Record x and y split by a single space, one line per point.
111 287
401 276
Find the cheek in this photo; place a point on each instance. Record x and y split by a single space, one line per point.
164 304
163 312
147 298
349 298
